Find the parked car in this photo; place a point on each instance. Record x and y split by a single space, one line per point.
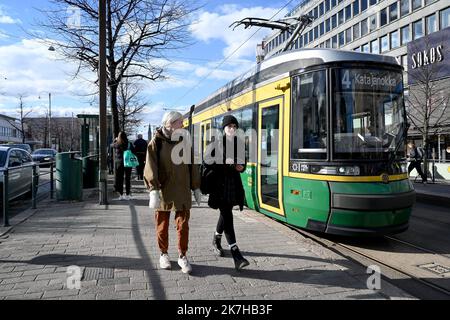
23 146
44 155
20 173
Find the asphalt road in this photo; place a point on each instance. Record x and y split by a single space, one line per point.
429 228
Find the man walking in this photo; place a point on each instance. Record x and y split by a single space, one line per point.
416 156
140 149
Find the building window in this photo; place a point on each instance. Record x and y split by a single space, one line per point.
405 37
334 42
374 47
315 13
327 25
356 30
316 32
358 49
445 18
348 12
430 23
322 29
417 29
327 5
404 7
341 17
341 39
311 35
363 5
416 4
393 12
372 22
384 43
383 17
394 40
333 22
333 3
355 7
364 27
348 35
365 48
321 9
328 43
373 2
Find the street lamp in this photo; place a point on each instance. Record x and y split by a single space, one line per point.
49 118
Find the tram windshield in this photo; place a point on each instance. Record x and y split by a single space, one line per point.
368 113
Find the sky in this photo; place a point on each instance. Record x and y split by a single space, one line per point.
29 69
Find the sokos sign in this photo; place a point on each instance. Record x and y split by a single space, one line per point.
427 57
430 54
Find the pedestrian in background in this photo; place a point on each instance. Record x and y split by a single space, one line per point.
227 190
120 146
170 188
140 150
415 158
111 158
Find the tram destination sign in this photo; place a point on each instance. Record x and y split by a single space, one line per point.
368 80
429 57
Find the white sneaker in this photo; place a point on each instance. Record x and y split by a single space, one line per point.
164 262
184 265
121 198
127 198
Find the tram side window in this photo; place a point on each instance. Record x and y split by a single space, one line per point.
309 116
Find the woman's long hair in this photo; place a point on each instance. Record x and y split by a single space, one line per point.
122 139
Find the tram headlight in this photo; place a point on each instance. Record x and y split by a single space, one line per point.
341 170
349 171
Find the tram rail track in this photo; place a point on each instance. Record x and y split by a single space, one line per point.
421 288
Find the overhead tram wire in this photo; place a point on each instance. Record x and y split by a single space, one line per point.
229 56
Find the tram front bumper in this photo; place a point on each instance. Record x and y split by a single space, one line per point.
373 202
370 215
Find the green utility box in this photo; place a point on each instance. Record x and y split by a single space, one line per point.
69 177
90 172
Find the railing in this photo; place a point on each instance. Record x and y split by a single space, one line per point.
34 186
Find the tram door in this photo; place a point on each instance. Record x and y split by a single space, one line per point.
205 136
269 156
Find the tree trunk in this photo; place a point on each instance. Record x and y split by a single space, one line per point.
425 156
114 111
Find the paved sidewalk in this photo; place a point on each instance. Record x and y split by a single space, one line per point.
117 254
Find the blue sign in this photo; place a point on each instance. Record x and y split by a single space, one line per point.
429 57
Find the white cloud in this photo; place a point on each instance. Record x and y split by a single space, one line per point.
32 71
215 26
6 19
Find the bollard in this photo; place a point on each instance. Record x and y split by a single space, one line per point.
33 187
51 180
5 199
433 170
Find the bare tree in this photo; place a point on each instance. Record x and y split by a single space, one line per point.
23 114
427 99
137 32
130 104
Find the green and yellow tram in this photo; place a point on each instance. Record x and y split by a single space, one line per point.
329 145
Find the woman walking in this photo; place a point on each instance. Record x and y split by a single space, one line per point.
170 188
120 146
227 190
